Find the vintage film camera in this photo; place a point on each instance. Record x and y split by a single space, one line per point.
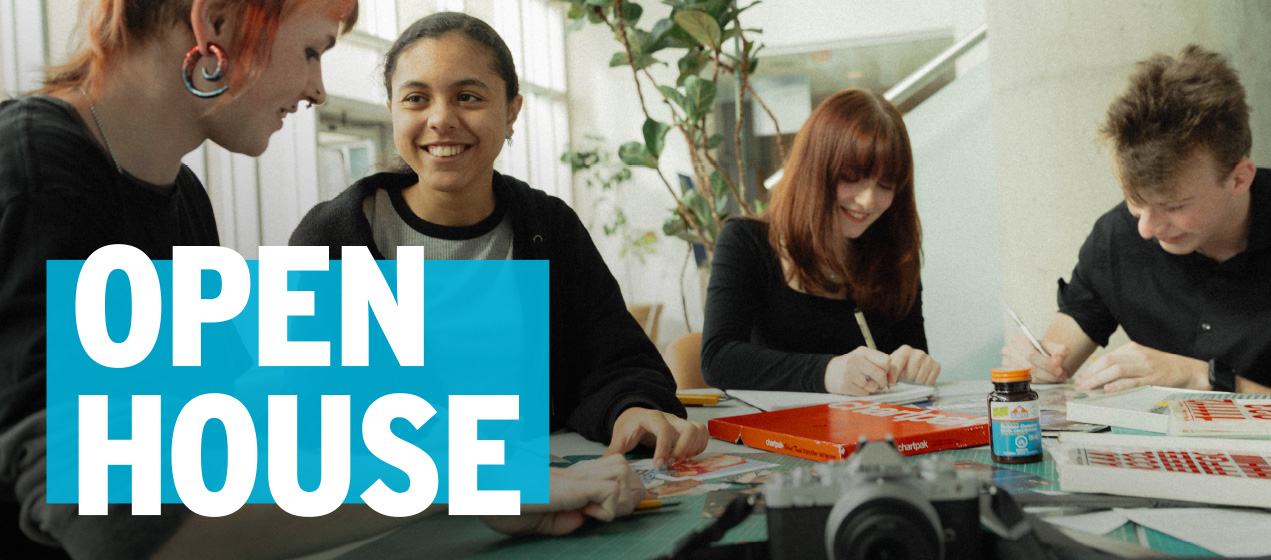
876 505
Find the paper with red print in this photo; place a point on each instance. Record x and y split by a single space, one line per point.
1237 418
1221 471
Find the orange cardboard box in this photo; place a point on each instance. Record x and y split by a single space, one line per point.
830 432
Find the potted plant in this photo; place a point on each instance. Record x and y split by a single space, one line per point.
707 42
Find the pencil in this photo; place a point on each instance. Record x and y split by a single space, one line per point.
688 399
654 504
869 338
1036 343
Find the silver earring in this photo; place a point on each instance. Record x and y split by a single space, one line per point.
509 139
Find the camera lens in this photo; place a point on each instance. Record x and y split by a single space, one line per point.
886 529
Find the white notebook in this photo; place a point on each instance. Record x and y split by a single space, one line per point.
901 393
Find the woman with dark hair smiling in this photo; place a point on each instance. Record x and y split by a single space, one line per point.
824 296
453 97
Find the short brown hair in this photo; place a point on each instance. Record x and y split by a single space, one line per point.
114 26
854 134
1173 107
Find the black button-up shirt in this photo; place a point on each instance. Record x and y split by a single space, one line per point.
1190 305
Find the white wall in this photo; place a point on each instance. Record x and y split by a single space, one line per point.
1056 66
809 25
952 137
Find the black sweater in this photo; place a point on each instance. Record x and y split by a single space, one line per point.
61 198
601 361
762 334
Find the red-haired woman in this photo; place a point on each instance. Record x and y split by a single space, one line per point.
93 159
841 237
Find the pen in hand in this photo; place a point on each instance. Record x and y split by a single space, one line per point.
869 337
1024 328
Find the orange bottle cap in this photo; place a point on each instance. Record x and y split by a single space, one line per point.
1006 375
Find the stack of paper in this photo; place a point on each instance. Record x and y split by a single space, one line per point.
1214 470
1234 418
900 393
1141 408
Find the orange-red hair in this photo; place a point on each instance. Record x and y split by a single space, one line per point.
854 134
114 26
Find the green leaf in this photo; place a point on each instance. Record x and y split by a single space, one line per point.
698 204
576 11
593 15
675 227
719 187
721 205
760 207
732 12
631 12
600 3
754 59
713 7
699 94
701 26
714 141
645 61
662 37
690 64
641 62
636 154
655 136
673 94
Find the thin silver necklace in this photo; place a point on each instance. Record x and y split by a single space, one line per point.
93 109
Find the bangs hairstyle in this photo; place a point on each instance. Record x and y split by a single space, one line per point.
853 135
114 26
1173 107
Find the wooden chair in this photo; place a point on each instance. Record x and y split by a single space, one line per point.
647 315
684 357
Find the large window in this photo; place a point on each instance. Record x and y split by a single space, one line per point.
378 18
535 32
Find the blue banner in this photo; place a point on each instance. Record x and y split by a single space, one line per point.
485 333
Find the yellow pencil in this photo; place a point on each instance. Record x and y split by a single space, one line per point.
654 504
695 399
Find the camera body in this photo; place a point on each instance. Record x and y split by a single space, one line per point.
875 505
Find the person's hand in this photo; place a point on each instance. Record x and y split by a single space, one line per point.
604 489
912 365
1019 353
671 437
1133 365
857 373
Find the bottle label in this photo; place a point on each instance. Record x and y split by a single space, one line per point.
1015 428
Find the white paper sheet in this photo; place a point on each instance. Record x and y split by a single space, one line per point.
1229 532
901 393
1099 523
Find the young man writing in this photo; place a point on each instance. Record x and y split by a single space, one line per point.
1184 264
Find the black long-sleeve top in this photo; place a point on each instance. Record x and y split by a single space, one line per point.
762 334
602 363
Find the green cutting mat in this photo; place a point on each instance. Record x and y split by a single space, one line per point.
650 534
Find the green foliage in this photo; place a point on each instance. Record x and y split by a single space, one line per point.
706 39
599 171
655 137
701 27
637 155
